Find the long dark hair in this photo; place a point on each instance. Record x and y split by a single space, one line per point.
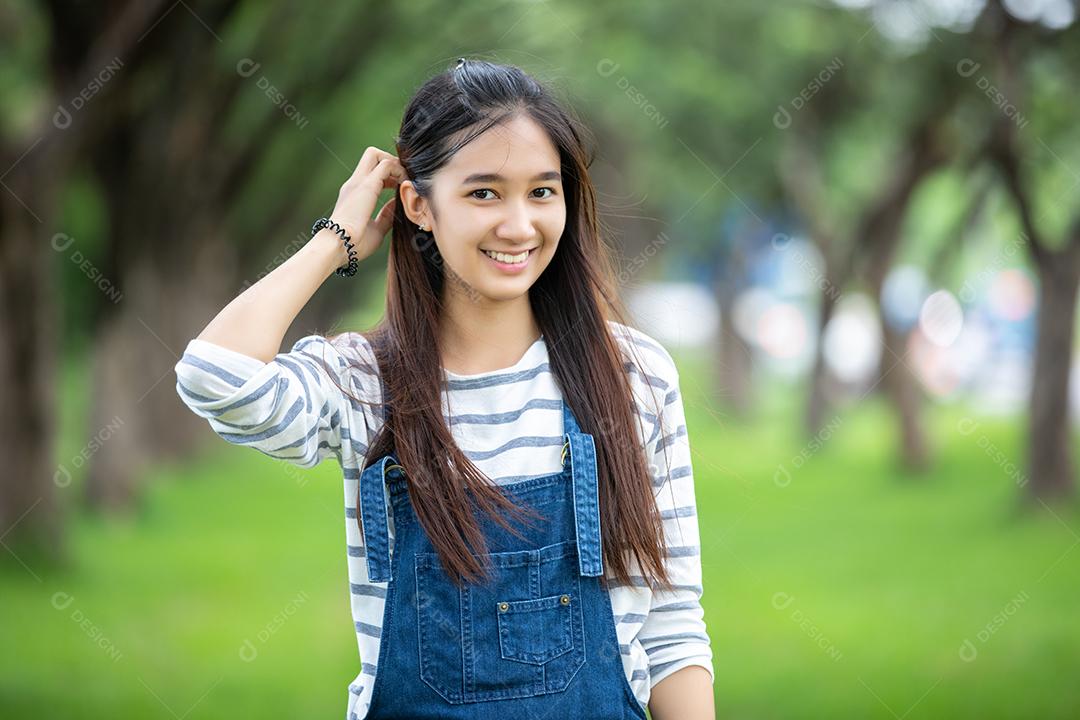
573 301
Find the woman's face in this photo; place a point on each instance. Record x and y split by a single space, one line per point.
501 193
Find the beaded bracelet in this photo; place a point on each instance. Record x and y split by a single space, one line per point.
345 270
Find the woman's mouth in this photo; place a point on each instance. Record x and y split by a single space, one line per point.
507 262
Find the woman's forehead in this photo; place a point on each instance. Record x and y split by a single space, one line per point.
518 151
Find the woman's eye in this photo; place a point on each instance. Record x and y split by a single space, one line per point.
488 190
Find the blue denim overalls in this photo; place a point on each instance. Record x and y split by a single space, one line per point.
537 641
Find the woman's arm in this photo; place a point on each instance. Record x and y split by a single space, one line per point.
674 634
255 322
686 694
293 406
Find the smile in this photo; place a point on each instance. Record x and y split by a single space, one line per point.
509 263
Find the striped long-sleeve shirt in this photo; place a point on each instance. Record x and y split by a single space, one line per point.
509 423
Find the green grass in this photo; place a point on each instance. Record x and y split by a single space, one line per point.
890 572
230 549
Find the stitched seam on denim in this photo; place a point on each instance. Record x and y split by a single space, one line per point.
613 635
468 654
424 639
558 679
384 633
595 542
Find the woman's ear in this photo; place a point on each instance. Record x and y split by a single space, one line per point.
414 206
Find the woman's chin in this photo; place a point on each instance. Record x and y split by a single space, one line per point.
501 289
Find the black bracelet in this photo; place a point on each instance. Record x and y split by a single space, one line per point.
345 270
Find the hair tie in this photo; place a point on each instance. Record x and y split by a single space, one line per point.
349 269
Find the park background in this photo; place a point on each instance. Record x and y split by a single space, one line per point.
854 224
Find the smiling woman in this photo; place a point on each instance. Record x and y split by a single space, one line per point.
496 229
520 511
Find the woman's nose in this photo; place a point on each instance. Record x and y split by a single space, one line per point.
518 225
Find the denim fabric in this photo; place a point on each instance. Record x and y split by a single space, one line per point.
536 641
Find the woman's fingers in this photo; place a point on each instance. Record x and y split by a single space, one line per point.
369 160
388 173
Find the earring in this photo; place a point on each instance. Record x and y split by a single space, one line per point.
424 228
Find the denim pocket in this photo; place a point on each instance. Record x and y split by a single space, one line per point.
535 631
518 635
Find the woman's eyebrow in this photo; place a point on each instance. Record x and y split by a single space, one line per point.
496 177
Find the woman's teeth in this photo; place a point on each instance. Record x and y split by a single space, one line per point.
503 257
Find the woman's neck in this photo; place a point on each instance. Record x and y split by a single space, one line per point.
478 339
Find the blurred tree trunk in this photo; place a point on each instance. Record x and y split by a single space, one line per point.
171 177
176 265
819 404
1051 470
875 240
734 376
162 250
136 348
803 183
903 390
1051 467
29 517
81 40
878 238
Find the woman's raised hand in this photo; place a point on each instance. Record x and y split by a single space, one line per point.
377 170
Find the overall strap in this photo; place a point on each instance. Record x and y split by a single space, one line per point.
372 493
375 520
582 451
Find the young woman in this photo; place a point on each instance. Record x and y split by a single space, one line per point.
520 511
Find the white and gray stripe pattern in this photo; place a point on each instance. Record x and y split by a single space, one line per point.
508 422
